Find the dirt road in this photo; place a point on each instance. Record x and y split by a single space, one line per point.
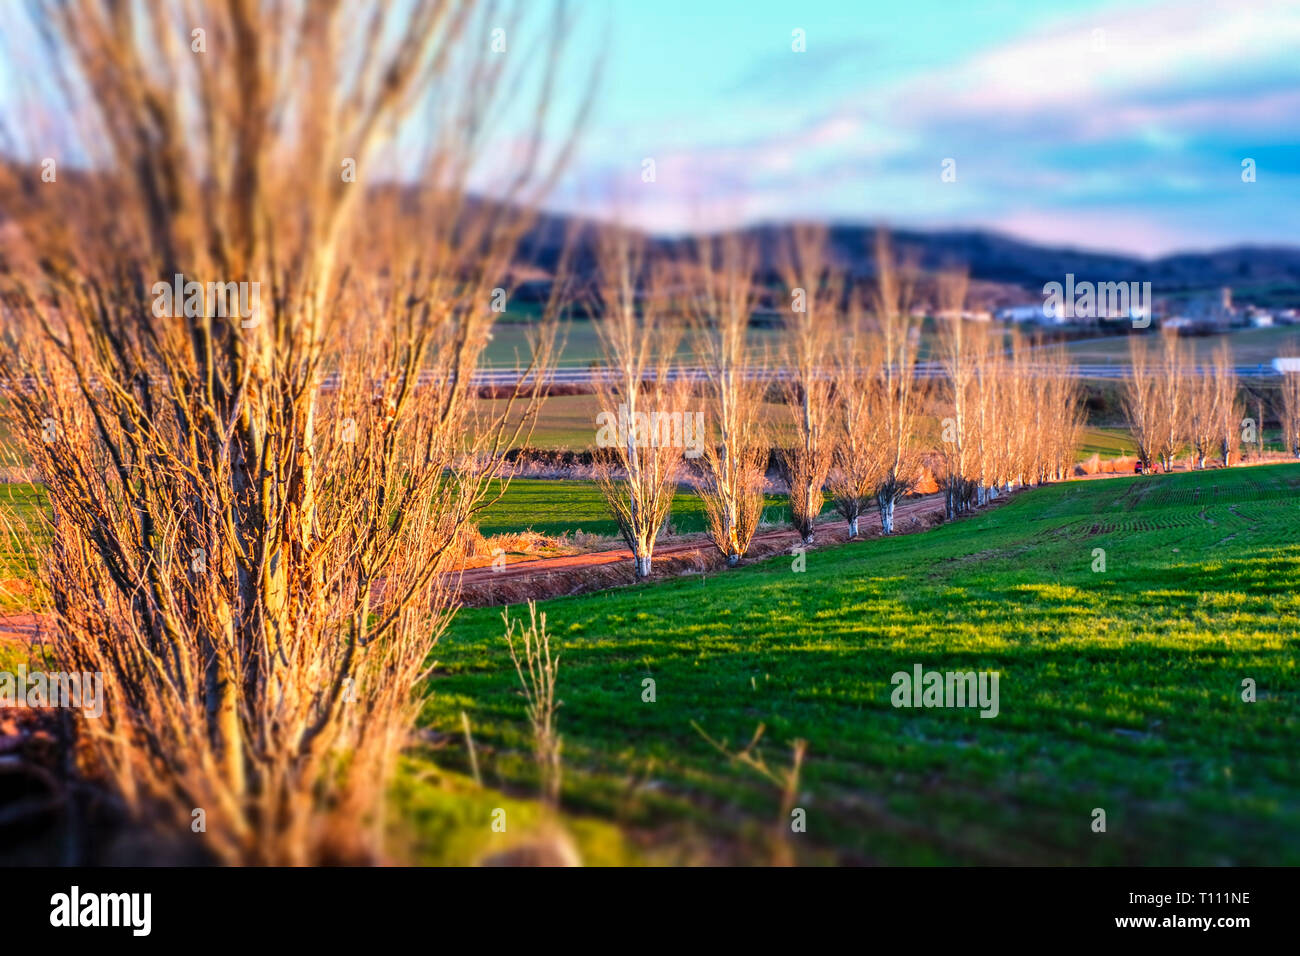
484 584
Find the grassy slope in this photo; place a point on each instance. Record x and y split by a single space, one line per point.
1118 689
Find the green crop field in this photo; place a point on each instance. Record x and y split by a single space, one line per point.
1249 346
1120 689
1106 442
579 342
557 507
569 421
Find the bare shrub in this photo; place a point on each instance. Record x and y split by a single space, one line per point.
786 781
538 671
259 566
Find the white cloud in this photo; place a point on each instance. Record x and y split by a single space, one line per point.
1158 47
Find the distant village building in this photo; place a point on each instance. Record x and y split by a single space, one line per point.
1037 313
970 315
1214 310
1259 319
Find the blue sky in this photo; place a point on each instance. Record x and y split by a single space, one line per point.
1130 138
1101 124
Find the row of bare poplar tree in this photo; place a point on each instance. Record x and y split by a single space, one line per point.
840 396
1171 405
1015 409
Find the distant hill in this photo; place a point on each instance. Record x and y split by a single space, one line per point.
1006 269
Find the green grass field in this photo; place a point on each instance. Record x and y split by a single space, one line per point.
1119 689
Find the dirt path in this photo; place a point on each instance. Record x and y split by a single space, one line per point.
25 627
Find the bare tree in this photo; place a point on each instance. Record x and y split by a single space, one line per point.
1004 422
1172 397
896 395
814 298
1204 392
638 457
855 367
1288 408
1141 399
259 567
1065 403
960 347
735 453
1227 405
